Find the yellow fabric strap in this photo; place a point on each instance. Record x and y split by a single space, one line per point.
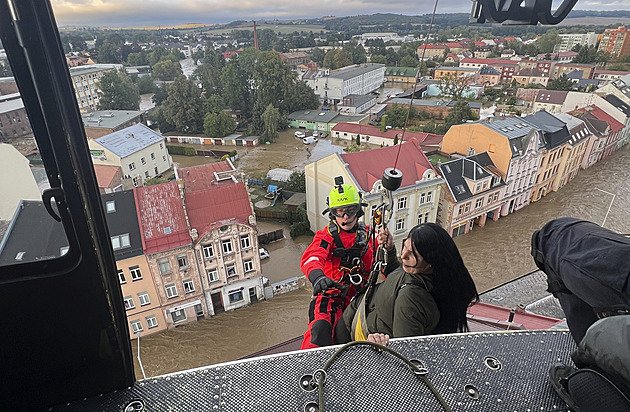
359 322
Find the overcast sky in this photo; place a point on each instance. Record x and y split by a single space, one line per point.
134 13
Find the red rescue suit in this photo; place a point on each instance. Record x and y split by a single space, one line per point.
327 307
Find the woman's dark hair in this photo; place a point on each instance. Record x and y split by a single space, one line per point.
453 287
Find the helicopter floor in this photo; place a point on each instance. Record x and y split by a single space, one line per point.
489 371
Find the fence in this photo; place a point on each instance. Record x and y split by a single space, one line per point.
269 237
271 214
288 285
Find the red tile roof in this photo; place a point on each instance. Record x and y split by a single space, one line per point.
530 321
105 174
161 217
368 166
421 138
439 46
489 62
217 205
600 114
205 176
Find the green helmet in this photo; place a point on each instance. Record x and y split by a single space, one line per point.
343 195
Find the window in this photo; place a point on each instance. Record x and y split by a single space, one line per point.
497 180
429 196
189 286
230 270
402 203
484 186
135 181
400 224
208 251
479 203
129 303
152 156
165 266
489 199
143 298
182 262
120 242
227 246
111 206
467 207
171 291
245 242
161 147
213 275
132 166
135 273
478 187
248 265
144 162
136 326
422 198
236 296
146 174
151 322
426 217
164 158
496 196
178 315
121 276
155 171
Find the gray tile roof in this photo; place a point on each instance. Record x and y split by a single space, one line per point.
354 71
129 140
109 119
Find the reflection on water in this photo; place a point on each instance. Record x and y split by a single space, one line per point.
494 254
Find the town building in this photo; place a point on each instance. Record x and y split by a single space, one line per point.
559 69
103 122
138 150
405 76
18 182
142 304
558 57
374 135
168 247
8 86
323 121
623 107
572 161
489 76
14 122
616 42
110 179
223 228
414 202
569 41
431 51
471 73
613 132
549 100
294 59
507 68
356 79
598 131
85 80
555 137
525 77
474 192
606 76
356 103
513 145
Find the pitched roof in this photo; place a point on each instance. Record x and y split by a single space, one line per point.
129 140
206 176
123 219
368 166
599 113
489 62
618 103
475 167
216 205
551 96
105 174
375 131
161 217
555 131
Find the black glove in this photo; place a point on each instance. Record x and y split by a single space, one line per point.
321 282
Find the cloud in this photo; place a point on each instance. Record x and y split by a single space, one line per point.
133 13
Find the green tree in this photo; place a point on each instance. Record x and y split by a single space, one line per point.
395 139
329 59
108 53
218 124
548 41
342 58
166 70
358 141
378 58
408 61
618 66
160 95
459 114
145 84
136 59
236 91
396 116
270 119
357 52
183 108
318 56
560 83
296 182
214 104
453 86
156 54
117 92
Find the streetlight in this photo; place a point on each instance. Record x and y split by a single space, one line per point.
611 202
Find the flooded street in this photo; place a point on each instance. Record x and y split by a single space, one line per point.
494 254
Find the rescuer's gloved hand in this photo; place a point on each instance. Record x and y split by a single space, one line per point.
321 282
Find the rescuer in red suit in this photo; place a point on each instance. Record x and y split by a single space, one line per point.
337 263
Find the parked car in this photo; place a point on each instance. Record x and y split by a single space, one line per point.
323 135
300 134
315 133
309 140
264 253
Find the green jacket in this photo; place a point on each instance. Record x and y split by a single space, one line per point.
401 306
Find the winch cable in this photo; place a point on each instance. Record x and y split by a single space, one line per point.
320 374
418 77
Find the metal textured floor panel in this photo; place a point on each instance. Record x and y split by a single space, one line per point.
485 372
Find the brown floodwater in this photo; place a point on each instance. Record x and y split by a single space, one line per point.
494 255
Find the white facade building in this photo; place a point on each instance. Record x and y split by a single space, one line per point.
85 81
356 79
569 41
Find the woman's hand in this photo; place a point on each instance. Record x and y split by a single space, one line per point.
385 239
379 338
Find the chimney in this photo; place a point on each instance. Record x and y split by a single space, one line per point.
255 37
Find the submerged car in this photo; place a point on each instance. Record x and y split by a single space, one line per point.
309 140
264 253
299 134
